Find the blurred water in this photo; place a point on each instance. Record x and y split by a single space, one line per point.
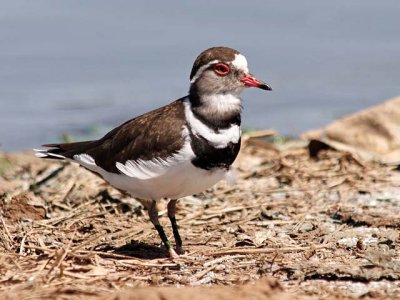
71 66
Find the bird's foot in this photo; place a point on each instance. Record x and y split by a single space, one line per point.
179 250
172 254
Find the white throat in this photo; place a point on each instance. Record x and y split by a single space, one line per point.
222 103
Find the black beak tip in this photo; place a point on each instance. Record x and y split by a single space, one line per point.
265 87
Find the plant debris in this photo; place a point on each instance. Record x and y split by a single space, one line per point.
292 226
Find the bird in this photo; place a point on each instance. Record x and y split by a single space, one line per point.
177 150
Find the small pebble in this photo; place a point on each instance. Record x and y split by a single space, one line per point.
348 242
306 227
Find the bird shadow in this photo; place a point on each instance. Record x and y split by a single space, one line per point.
137 249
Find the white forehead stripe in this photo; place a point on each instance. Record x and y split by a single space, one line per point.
240 62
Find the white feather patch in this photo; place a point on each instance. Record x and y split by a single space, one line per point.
42 153
218 140
240 62
84 158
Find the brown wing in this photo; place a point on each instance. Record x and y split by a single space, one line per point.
155 134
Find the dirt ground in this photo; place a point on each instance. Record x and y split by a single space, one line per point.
293 227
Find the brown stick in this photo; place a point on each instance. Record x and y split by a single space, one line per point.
265 250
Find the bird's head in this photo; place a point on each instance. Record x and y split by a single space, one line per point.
222 70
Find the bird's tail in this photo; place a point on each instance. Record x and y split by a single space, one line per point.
62 151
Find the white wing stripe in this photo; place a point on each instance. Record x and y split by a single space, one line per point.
146 169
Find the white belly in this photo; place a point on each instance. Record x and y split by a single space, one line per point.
178 181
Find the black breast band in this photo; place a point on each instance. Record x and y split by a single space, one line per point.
208 157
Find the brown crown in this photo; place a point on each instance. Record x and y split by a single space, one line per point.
223 54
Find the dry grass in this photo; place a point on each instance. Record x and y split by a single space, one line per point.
327 227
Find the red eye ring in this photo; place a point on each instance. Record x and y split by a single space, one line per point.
222 69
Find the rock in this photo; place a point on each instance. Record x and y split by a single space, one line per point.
306 227
350 242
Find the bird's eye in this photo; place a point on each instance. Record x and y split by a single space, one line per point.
221 69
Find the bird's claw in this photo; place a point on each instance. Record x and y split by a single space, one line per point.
172 254
179 250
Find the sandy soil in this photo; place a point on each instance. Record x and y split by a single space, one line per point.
293 227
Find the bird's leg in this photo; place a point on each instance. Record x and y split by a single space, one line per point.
153 214
171 214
